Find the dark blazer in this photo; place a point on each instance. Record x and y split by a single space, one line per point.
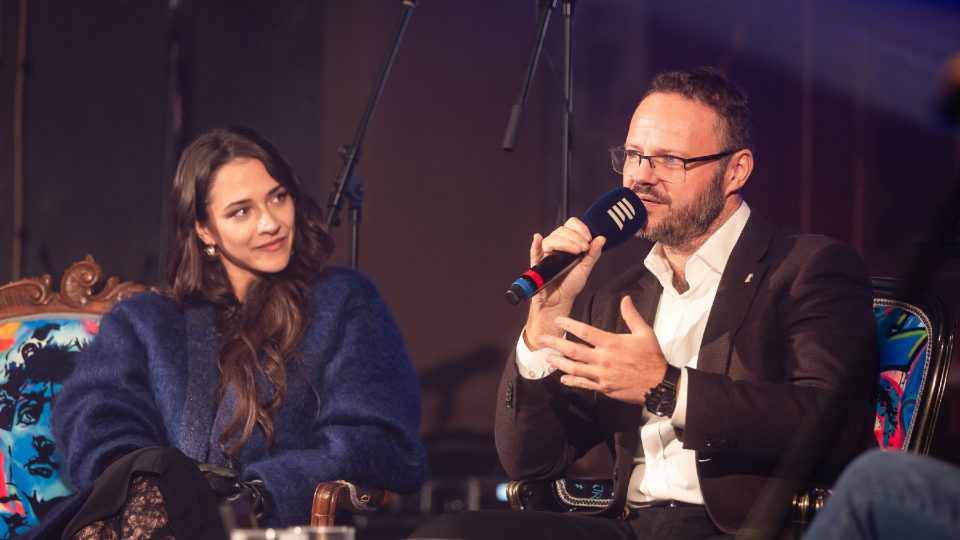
779 396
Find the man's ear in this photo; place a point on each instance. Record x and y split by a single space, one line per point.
738 170
205 235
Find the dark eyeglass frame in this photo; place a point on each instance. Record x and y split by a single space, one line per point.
685 161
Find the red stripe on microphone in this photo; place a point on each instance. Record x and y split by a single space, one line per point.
535 277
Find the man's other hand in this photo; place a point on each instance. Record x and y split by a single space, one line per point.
621 366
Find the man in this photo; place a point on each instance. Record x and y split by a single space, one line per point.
716 370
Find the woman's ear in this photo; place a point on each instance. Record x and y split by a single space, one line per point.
206 236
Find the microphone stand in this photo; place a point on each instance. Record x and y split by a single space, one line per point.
347 181
566 115
513 124
173 123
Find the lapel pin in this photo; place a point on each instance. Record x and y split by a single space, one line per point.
749 277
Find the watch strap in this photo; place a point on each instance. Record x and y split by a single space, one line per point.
661 400
672 377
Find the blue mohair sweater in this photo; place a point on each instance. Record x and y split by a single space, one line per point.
150 377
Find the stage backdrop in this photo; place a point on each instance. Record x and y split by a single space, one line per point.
849 143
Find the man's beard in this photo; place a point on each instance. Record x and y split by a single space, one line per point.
681 226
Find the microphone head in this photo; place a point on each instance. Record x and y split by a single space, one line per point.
618 215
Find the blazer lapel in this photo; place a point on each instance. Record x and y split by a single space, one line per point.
645 295
738 286
200 407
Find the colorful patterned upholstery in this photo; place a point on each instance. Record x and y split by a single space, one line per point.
915 335
41 332
902 332
36 355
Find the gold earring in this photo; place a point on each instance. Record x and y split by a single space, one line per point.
210 250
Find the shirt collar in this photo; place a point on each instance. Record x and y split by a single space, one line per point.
714 252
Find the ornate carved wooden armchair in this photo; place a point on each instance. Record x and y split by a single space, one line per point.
916 340
40 332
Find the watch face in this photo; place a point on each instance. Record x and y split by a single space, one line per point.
661 400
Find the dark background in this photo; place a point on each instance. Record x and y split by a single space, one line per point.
844 91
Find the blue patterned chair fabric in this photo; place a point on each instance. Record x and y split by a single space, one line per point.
37 355
915 337
904 356
41 332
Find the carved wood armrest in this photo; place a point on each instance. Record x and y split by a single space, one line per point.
342 495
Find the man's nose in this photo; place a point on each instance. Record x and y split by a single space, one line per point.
641 173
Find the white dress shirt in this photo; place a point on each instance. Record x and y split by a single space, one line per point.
663 469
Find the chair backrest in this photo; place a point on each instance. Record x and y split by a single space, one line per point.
916 338
41 330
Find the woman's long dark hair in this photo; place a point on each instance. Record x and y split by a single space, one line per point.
262 334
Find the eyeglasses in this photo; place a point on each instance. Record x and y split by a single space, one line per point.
667 168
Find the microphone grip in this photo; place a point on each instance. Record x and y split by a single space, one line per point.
548 269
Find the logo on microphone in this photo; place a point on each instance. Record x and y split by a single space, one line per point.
621 212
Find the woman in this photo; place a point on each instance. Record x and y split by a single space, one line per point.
261 358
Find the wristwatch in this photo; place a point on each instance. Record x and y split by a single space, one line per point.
662 398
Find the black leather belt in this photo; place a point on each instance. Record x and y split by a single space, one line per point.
670 503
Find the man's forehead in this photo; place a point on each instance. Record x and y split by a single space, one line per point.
646 120
674 118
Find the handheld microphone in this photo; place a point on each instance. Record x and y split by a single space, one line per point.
617 216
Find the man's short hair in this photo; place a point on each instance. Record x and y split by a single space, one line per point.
711 87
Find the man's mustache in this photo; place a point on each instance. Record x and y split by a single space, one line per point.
648 191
